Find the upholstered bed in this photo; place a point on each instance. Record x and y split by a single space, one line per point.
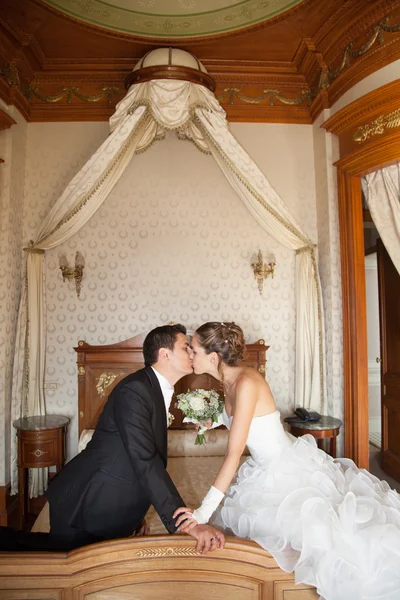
158 565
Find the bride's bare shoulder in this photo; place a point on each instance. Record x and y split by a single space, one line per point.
250 375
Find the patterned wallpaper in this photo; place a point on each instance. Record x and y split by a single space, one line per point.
326 152
171 242
12 150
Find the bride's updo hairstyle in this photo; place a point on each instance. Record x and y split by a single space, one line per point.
226 339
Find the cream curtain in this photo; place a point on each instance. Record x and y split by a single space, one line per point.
273 215
79 201
382 191
142 117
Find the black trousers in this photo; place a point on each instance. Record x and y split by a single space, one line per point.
65 536
22 541
61 538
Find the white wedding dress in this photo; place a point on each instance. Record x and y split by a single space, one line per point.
336 526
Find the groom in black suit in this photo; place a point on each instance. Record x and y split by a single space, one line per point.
107 489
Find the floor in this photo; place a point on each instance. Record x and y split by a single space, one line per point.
376 470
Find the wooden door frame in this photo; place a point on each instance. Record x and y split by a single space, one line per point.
358 158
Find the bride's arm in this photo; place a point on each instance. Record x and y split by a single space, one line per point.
245 403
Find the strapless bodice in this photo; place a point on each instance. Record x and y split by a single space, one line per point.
267 438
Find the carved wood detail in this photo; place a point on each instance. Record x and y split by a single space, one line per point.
145 567
284 70
5 123
5 120
352 120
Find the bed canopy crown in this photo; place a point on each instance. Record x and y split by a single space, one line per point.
170 63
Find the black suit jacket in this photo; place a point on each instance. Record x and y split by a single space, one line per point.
108 488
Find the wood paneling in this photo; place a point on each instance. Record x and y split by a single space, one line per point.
143 567
358 159
389 327
287 69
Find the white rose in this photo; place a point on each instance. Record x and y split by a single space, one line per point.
198 404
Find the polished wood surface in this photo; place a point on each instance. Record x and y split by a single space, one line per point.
38 449
100 368
149 568
330 434
358 159
389 313
287 69
169 72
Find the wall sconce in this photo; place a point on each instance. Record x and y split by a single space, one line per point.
262 270
73 273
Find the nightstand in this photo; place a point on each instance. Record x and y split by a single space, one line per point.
41 443
325 428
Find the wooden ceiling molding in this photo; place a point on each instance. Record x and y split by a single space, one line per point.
5 123
286 69
363 122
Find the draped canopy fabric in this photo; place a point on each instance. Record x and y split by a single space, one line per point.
146 113
382 193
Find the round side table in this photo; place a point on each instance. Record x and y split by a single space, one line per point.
325 428
41 443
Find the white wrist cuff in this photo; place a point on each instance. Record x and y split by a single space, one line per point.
208 506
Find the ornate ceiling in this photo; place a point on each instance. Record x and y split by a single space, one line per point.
173 18
58 67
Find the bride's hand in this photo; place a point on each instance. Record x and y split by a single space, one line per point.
184 522
207 424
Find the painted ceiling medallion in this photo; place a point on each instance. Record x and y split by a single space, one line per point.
172 18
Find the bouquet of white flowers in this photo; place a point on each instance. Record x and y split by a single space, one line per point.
199 406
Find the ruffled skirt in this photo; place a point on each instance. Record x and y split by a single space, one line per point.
336 526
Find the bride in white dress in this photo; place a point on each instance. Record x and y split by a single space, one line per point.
336 526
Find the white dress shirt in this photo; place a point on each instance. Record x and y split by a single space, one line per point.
167 390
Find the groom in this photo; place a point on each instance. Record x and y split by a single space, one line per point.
107 489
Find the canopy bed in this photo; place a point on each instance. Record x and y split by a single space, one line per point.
168 90
140 567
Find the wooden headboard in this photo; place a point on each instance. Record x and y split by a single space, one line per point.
100 368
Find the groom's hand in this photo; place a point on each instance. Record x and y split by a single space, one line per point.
208 538
184 520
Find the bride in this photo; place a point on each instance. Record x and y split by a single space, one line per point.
336 526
